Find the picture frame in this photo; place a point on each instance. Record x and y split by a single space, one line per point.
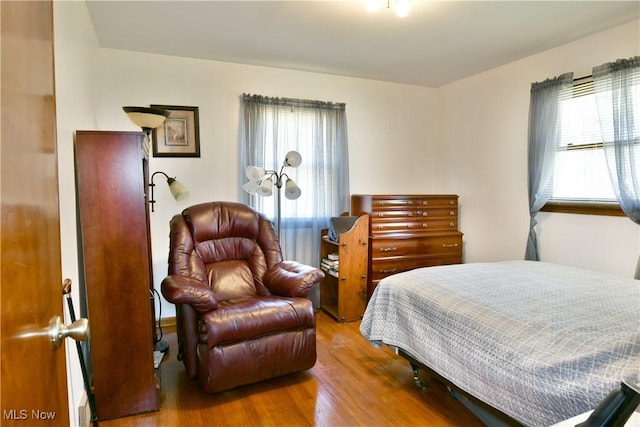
179 135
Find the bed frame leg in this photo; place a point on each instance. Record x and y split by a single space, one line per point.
416 379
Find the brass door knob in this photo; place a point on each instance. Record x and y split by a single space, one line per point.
58 331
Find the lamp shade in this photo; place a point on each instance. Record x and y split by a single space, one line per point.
291 190
293 159
251 187
266 188
254 173
145 117
178 190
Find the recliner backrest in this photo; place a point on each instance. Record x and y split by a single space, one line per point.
228 245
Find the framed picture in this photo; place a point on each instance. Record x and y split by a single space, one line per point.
179 135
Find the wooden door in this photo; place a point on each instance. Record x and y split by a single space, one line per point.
33 375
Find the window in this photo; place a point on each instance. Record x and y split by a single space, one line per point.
581 182
271 127
573 146
286 129
580 173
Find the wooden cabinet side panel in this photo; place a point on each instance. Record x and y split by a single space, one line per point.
344 297
353 269
115 253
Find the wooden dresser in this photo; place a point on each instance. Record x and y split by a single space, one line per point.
409 231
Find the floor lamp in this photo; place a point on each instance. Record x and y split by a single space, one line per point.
179 192
261 182
147 119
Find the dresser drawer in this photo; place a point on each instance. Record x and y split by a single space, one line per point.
386 267
437 212
442 244
421 212
403 202
371 204
415 226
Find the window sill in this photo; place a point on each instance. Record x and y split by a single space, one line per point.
607 209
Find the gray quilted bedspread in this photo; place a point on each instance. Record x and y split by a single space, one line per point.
539 342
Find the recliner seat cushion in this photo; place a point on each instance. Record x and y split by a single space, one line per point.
251 317
239 363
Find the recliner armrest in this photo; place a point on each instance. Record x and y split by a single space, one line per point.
186 290
292 279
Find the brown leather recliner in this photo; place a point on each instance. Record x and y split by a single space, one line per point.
242 313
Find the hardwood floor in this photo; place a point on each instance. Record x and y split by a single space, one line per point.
352 384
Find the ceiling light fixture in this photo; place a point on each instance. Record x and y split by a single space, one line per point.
403 7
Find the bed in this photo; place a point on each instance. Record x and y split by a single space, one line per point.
538 342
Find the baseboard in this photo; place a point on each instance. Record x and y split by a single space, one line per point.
84 411
168 324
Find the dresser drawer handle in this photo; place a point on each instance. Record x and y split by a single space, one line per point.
452 213
452 202
425 202
425 214
380 215
425 225
449 245
390 249
451 224
391 270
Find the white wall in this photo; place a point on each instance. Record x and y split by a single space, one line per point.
391 127
483 157
75 50
467 138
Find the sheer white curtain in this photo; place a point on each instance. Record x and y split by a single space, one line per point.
617 89
543 138
271 127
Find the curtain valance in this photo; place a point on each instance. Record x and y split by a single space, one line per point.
292 102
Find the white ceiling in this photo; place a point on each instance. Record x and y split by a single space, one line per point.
439 42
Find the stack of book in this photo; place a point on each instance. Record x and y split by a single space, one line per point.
330 264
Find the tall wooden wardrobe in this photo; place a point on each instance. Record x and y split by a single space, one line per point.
115 270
